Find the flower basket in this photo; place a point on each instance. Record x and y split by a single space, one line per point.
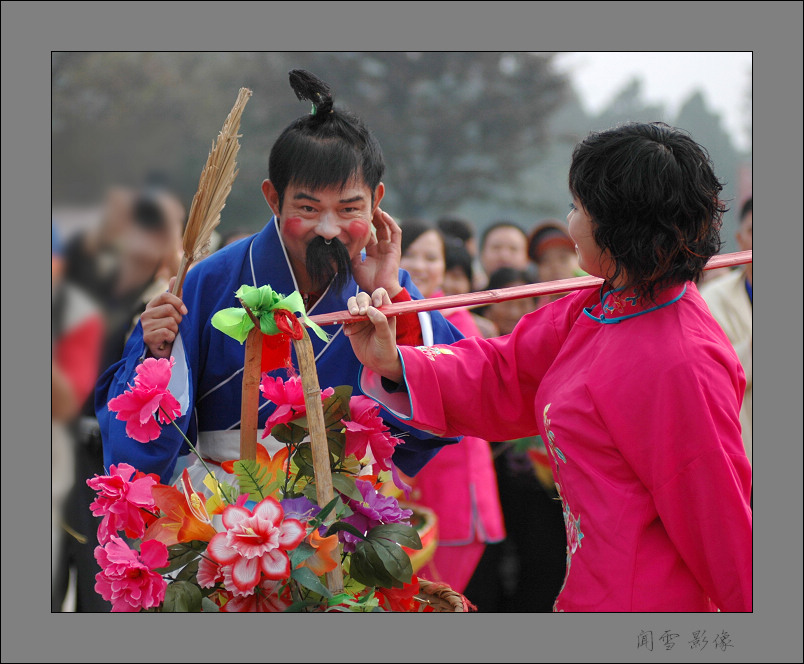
440 598
303 529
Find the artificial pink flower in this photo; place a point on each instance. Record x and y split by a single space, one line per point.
149 395
127 579
269 597
209 572
288 396
366 429
256 542
120 501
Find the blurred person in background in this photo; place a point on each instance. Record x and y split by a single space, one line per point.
552 251
458 280
730 298
125 263
524 573
460 229
503 244
459 483
76 338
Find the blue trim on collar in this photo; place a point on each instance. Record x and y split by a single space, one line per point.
750 290
618 319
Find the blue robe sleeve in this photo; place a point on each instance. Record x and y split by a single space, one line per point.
157 456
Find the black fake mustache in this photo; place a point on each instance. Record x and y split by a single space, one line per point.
327 263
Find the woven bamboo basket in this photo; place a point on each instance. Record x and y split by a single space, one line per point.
439 597
442 599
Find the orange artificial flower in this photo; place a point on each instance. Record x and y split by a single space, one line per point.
321 561
184 517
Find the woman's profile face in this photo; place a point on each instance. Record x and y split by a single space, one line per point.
582 231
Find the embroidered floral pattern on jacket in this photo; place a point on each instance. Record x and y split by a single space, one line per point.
434 351
572 523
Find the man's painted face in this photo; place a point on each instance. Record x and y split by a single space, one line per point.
310 222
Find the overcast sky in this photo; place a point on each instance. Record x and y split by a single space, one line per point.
668 78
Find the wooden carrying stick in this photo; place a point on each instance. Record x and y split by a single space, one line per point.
250 403
249 415
470 300
318 438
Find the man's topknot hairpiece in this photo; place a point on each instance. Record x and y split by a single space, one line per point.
310 87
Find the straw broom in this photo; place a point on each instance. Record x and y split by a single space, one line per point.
471 300
213 188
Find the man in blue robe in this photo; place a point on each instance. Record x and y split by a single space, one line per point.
328 239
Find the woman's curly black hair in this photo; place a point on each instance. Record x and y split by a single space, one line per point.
327 147
654 199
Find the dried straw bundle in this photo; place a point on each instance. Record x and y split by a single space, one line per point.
213 188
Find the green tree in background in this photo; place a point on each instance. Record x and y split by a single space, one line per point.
486 135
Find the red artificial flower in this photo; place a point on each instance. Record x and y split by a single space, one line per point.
256 542
127 579
400 599
149 395
367 430
288 396
121 501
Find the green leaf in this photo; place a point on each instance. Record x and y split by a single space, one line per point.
395 560
324 513
346 485
336 406
306 578
188 573
397 532
208 606
303 458
289 433
310 492
336 442
182 597
180 555
347 527
368 567
253 478
365 571
300 554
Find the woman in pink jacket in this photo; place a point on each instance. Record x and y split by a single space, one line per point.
634 387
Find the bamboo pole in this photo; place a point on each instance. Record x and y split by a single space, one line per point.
470 300
250 402
318 438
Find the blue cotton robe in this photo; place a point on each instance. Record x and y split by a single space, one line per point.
207 378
